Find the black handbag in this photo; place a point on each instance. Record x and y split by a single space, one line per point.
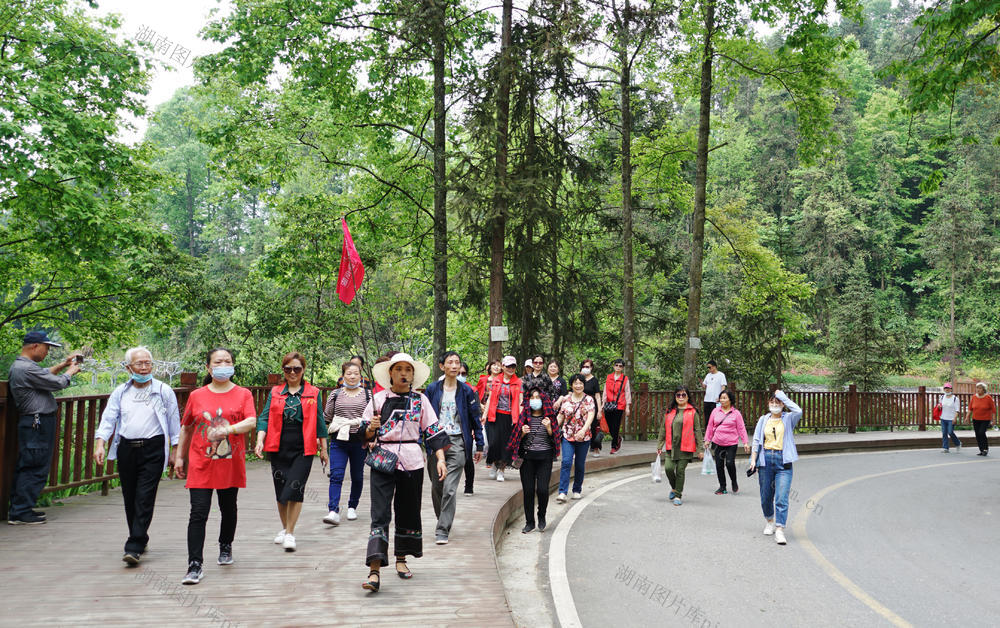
381 459
613 405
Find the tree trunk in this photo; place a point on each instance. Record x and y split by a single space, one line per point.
189 202
628 279
440 195
700 179
951 327
500 182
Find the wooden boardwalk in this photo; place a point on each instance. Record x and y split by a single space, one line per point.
69 570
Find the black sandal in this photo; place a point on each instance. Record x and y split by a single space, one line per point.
372 585
405 575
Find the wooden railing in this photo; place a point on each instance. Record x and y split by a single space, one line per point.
73 464
837 411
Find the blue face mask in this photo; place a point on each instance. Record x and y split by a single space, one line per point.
141 379
536 404
223 373
461 378
352 386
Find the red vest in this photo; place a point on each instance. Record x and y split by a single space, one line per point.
611 388
310 412
687 429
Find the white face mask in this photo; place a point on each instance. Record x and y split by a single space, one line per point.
585 370
775 409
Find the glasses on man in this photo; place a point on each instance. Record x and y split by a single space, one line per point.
292 369
142 364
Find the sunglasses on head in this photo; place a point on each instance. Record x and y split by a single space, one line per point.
292 369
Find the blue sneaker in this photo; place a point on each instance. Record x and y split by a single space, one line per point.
677 501
671 495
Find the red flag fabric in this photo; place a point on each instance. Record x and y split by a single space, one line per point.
352 271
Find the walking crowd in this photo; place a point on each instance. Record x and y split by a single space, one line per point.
516 422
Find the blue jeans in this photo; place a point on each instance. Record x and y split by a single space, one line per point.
569 451
775 482
948 429
340 453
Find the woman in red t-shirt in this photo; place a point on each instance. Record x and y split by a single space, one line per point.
212 457
982 412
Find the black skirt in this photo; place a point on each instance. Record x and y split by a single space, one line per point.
499 437
290 466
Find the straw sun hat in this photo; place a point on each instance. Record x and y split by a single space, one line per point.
420 370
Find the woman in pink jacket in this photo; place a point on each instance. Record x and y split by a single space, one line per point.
726 430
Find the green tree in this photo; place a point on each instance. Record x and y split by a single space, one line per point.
864 348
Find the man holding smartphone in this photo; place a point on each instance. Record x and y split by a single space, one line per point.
31 386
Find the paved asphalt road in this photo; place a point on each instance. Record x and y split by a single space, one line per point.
918 538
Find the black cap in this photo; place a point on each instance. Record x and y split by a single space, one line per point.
35 337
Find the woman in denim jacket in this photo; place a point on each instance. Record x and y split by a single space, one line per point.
773 453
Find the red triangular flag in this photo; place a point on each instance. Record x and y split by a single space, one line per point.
352 271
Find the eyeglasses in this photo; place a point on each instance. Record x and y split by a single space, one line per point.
142 364
678 395
292 369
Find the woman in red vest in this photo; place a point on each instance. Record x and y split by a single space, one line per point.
289 429
617 402
680 437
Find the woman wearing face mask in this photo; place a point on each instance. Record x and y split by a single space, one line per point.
577 413
725 431
535 442
681 439
343 417
214 461
592 388
773 454
290 428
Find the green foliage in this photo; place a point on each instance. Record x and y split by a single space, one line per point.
79 251
864 347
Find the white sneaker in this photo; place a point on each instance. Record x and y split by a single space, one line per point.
289 544
595 454
561 498
493 473
944 451
769 528
333 518
499 476
352 514
779 536
278 540
958 447
577 496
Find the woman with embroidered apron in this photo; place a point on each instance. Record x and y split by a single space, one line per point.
401 423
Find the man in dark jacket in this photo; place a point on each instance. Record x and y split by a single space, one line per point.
32 386
458 411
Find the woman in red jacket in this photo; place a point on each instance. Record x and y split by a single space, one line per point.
617 393
982 412
503 405
681 438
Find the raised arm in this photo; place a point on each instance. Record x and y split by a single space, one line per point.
793 408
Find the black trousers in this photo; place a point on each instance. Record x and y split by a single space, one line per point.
725 459
140 466
614 421
36 437
707 408
980 428
201 503
470 471
535 477
398 492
